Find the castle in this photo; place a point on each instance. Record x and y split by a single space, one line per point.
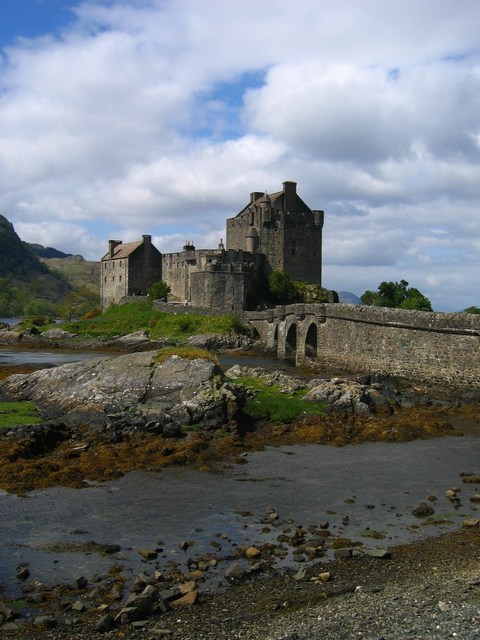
273 232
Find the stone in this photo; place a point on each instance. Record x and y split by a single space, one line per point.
187 587
81 582
471 522
48 622
105 623
379 553
423 510
148 554
252 552
79 606
235 571
304 573
475 498
23 573
186 600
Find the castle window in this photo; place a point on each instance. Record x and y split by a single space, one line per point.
113 278
119 278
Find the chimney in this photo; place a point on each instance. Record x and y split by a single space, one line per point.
255 195
147 239
112 244
290 198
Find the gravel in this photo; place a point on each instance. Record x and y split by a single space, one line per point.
426 590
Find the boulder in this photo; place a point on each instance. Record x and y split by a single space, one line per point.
131 391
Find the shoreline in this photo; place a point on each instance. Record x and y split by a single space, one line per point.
425 589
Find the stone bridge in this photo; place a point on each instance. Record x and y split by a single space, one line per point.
437 348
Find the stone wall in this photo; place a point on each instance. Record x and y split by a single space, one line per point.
438 348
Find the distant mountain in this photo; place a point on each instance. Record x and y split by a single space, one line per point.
47 252
346 297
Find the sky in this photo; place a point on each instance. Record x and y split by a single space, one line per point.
121 118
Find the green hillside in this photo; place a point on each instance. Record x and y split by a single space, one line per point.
27 285
79 272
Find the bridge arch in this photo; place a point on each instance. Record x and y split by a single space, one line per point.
291 342
311 341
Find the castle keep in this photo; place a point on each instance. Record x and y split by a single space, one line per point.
276 232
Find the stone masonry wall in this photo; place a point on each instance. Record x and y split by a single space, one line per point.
437 348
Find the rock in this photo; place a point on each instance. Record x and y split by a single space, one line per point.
127 615
423 510
81 582
344 552
57 334
471 522
235 571
305 573
10 627
217 341
475 498
48 622
102 393
187 587
186 600
148 554
325 576
23 573
105 623
252 552
79 606
381 554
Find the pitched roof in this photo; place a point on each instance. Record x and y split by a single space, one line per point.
123 250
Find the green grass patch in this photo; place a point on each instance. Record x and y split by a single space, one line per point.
140 316
15 414
271 403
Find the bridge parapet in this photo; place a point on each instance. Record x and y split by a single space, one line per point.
423 346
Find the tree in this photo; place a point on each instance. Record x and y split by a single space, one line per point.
397 295
281 288
159 290
472 310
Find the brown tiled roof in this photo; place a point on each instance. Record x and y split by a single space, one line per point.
123 250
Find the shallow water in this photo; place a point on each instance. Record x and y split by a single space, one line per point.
305 484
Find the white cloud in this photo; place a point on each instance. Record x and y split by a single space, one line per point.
140 118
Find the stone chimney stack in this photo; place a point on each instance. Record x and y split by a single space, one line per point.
290 199
112 244
255 195
147 239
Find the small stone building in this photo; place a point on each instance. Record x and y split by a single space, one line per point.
276 232
128 270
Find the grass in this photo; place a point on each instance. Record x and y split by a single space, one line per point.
269 402
140 316
14 414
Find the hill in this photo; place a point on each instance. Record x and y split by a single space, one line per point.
79 272
347 297
47 252
27 285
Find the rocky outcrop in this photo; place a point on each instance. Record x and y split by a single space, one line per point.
340 396
349 397
218 342
137 391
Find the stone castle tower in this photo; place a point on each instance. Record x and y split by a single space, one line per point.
284 229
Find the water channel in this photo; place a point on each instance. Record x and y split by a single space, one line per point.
358 489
